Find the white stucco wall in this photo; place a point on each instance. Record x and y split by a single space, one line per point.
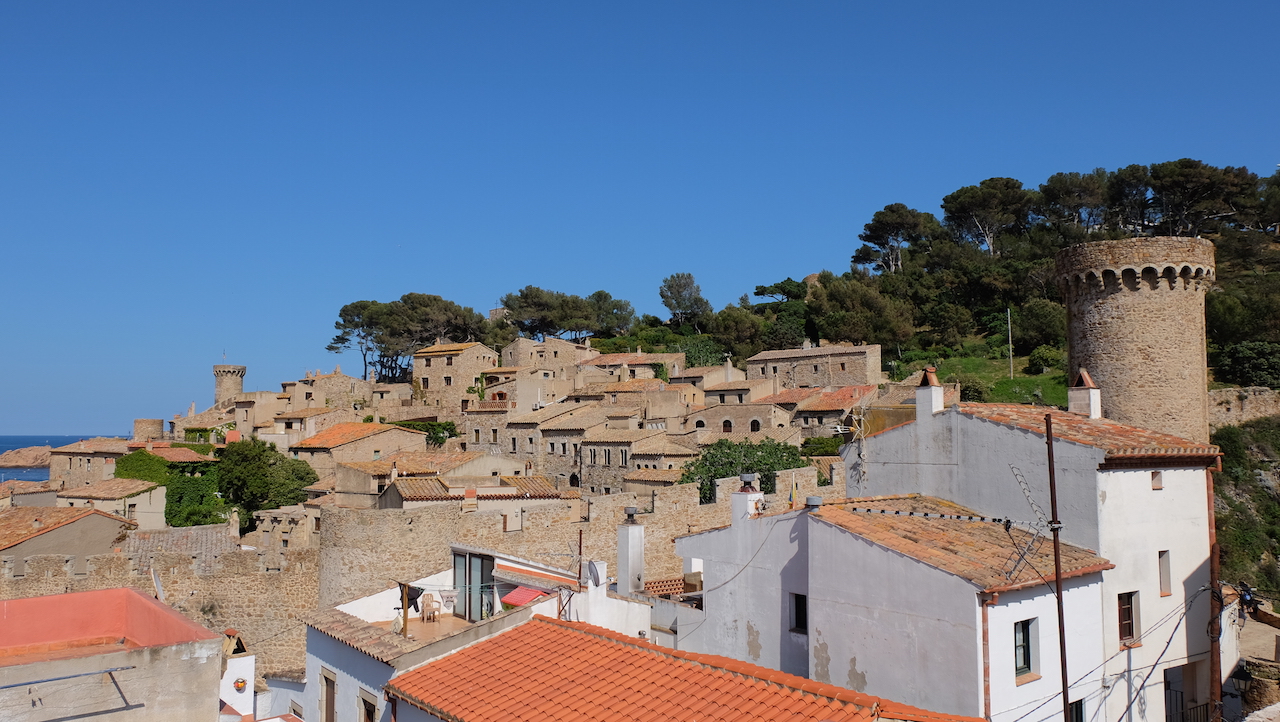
381 607
240 667
353 671
1037 700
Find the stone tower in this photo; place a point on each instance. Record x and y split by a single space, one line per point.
1135 320
227 382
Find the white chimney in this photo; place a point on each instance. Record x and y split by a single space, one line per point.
746 500
928 395
1084 397
630 554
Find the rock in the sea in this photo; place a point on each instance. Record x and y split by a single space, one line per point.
30 456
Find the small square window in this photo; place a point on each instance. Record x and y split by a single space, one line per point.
448 380
448 360
1157 480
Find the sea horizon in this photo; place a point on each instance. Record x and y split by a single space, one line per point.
22 441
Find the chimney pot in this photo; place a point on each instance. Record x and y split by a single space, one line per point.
748 482
812 502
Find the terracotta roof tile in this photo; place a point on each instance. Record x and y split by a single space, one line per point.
619 436
99 444
307 413
660 446
660 587
1118 440
585 418
575 672
670 476
444 348
18 486
790 396
340 434
631 359
807 352
742 385
841 399
432 489
19 523
547 413
108 489
178 454
381 644
982 552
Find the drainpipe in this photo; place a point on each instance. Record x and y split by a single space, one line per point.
1215 611
984 601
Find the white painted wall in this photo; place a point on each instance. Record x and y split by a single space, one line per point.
1040 700
238 668
381 607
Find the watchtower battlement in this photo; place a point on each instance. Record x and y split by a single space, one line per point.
1135 320
228 381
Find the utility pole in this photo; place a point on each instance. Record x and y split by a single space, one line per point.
1008 317
1056 526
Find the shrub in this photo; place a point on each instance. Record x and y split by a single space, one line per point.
1046 358
972 387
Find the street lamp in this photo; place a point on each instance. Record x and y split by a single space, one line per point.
1242 679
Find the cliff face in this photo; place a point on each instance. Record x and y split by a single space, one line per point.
30 456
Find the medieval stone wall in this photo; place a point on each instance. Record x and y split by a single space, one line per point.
1135 320
1232 407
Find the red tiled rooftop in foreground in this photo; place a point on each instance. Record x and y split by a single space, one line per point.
20 523
575 672
86 623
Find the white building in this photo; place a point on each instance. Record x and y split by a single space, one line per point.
900 597
1141 499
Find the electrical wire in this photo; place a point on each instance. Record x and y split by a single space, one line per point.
735 575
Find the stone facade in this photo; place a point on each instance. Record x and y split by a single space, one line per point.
1232 407
228 382
1135 320
818 366
443 372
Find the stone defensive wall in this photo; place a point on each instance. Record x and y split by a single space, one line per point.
1135 320
1232 407
263 596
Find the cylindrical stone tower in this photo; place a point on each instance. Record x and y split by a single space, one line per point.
1135 320
148 429
227 382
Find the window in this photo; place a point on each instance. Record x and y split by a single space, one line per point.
1166 578
1076 711
842 367
739 398
426 382
131 512
530 440
755 424
727 426
593 456
564 448
623 464
800 613
448 360
328 693
308 395
815 368
1024 647
546 375
722 398
1128 603
775 370
551 447
495 436
608 457
477 435
377 454
699 424
426 362
288 424
513 444
295 709
315 524
368 708
1157 480
448 380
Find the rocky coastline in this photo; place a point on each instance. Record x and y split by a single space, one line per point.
31 456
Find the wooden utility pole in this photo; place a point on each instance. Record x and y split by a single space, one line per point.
404 609
1056 527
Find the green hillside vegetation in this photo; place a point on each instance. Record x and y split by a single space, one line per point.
1248 502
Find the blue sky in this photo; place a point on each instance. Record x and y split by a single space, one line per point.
178 179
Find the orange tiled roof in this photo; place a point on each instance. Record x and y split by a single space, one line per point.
786 353
1118 440
670 476
306 413
18 524
660 446
108 489
744 384
790 396
549 412
630 359
619 436
586 418
18 486
345 433
381 644
437 489
841 399
329 483
101 444
576 672
979 551
631 386
443 348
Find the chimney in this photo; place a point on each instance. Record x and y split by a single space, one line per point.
807 344
1084 397
928 395
746 500
630 554
395 473
728 368
812 503
149 446
36 523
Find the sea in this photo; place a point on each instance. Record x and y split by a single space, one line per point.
38 473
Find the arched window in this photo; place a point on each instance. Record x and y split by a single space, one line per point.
755 424
727 426
700 424
573 480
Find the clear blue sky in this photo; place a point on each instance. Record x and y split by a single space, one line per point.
180 179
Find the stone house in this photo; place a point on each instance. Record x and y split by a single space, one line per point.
704 376
738 392
941 609
134 499
834 365
111 654
552 354
85 461
698 438
607 455
332 390
348 442
731 418
507 495
660 401
522 388
660 452
560 450
360 484
443 372
29 530
623 366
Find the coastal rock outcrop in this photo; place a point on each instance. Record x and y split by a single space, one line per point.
30 456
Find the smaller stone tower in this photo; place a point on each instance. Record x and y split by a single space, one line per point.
228 381
148 429
1135 321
